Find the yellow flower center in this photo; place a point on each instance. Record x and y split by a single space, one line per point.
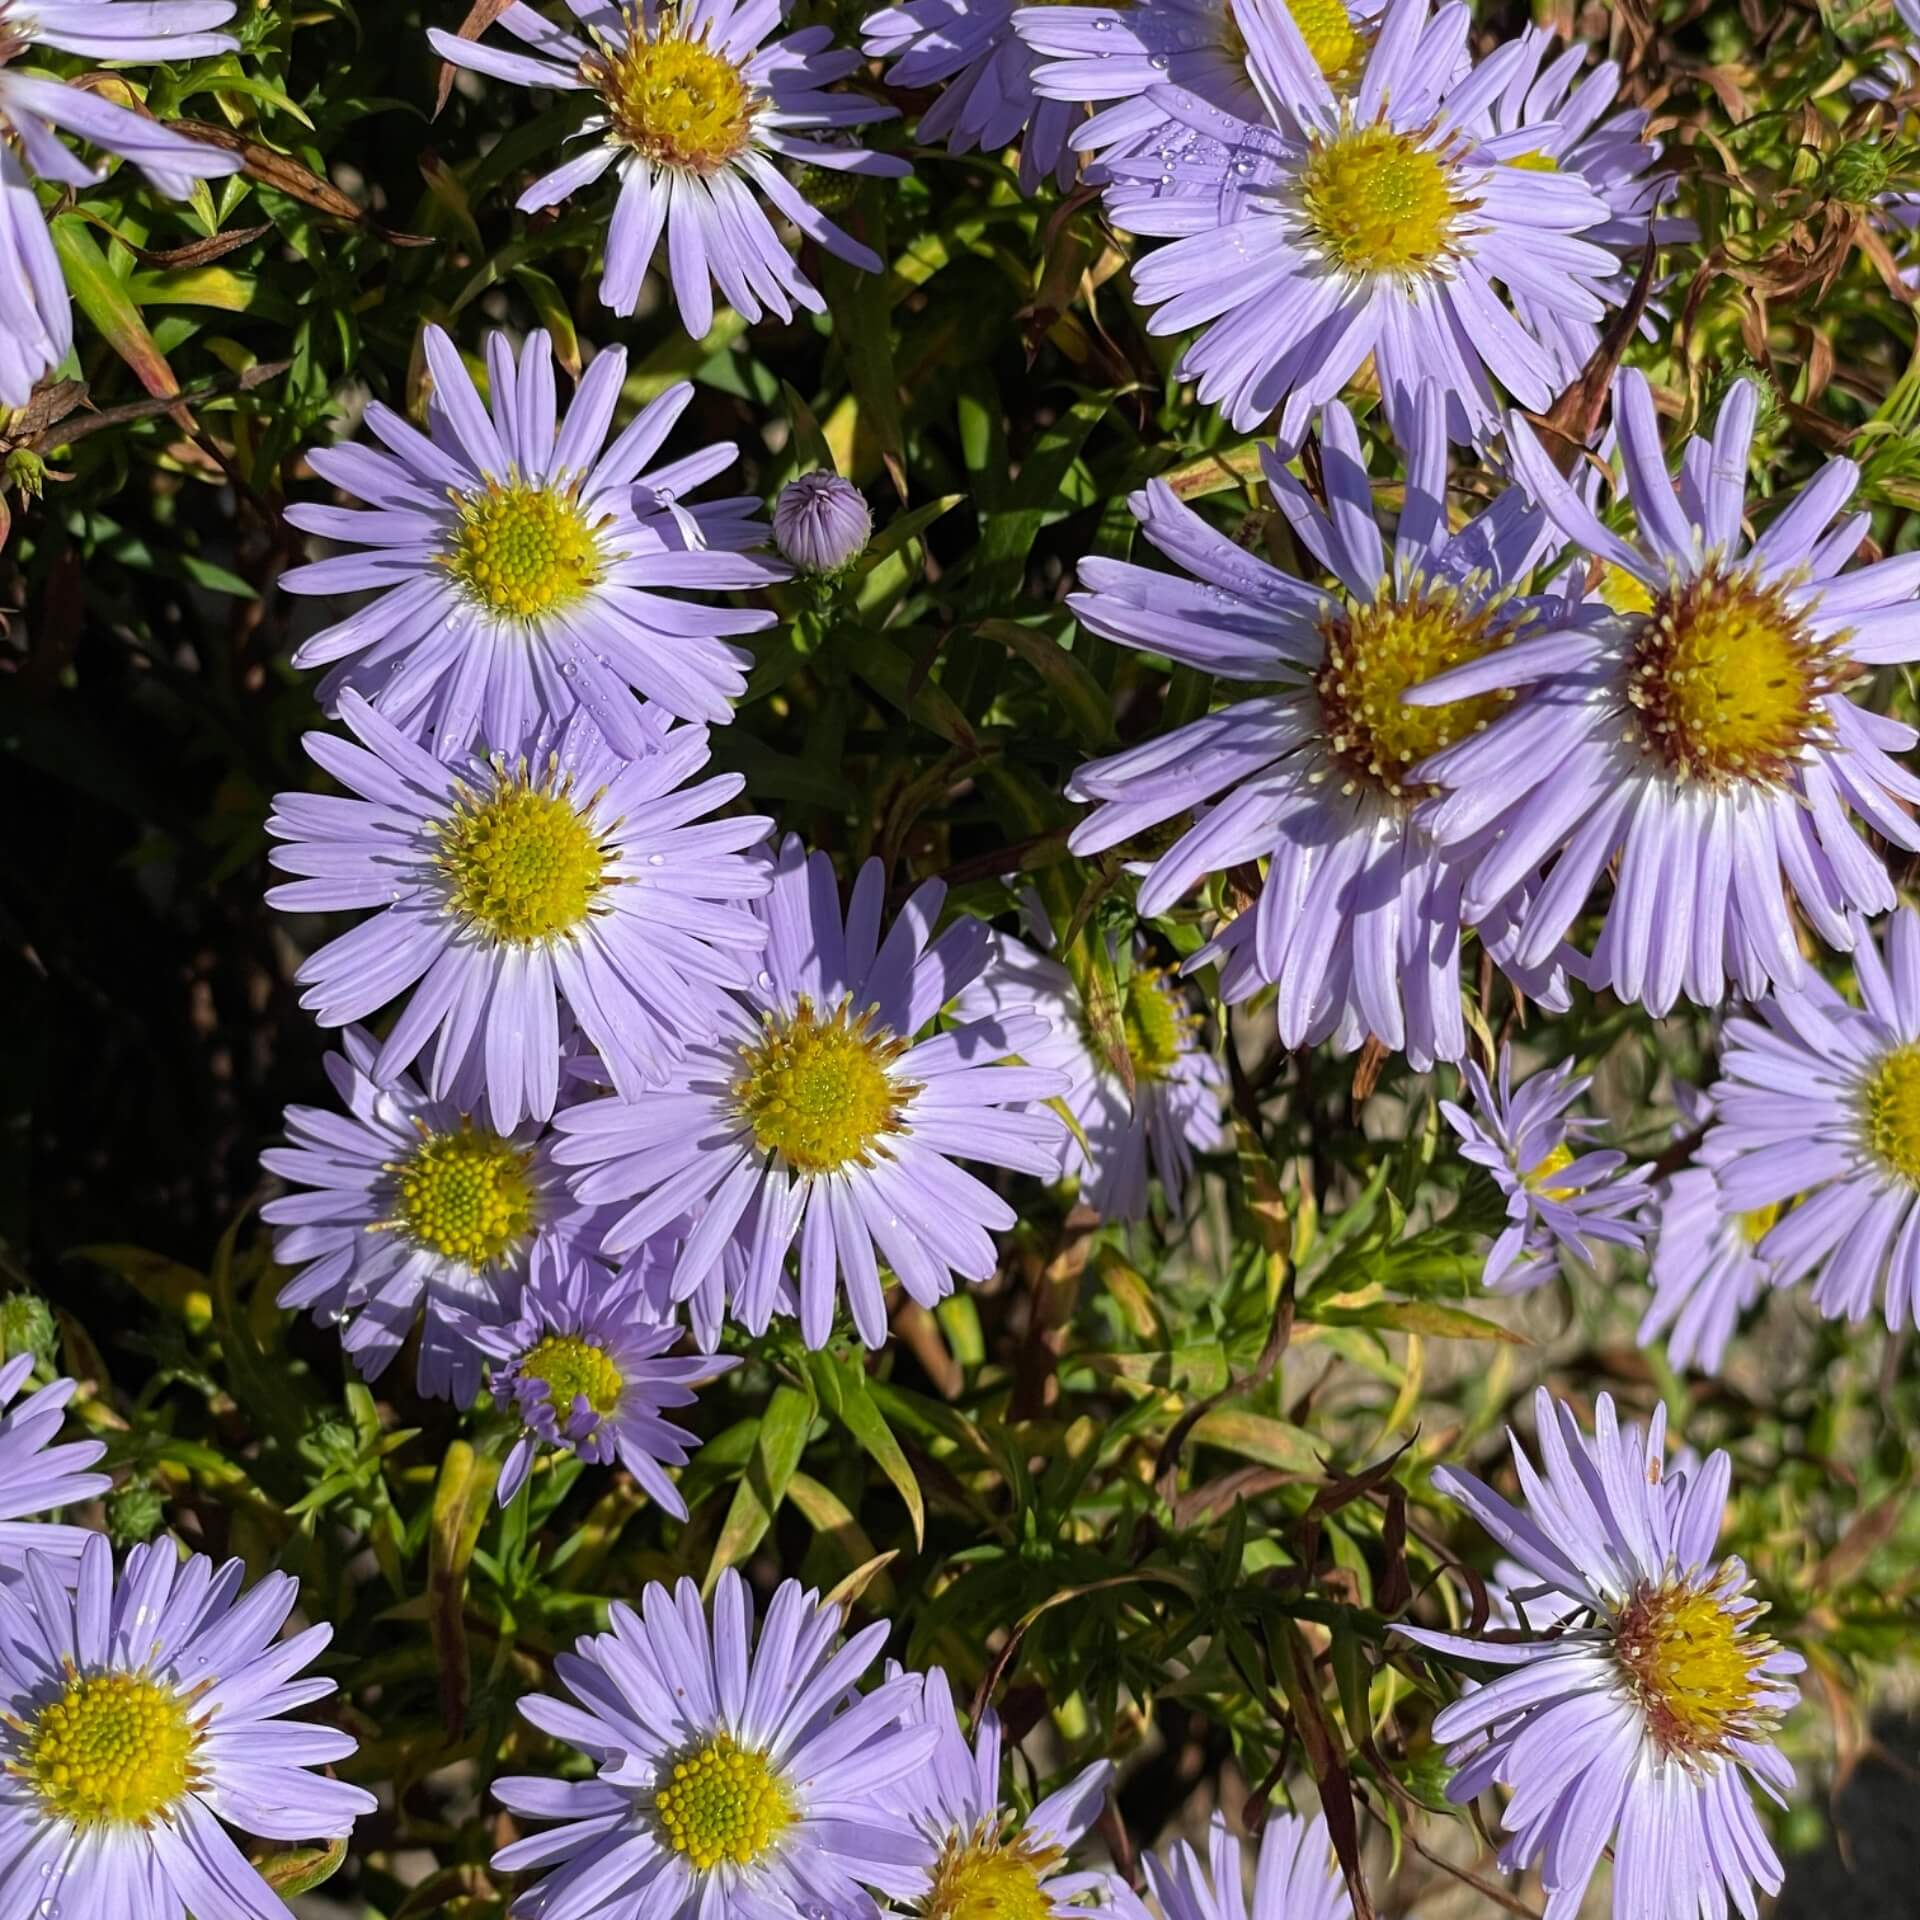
1892 1102
466 1196
1622 592
1761 1221
1691 1665
672 98
1379 202
114 1750
1535 163
523 550
723 1803
1325 25
1374 653
1728 680
573 1369
1557 1160
977 1878
1155 1022
817 1092
523 864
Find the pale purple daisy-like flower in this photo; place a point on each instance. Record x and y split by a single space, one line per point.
969 49
1124 54
137 1716
828 1113
1172 1110
36 316
696 108
821 523
554 888
1295 1876
522 567
1707 1268
1374 221
1898 71
1358 921
1641 1713
587 1368
986 1860
37 1477
414 1211
732 1777
1561 1194
1819 1103
1705 742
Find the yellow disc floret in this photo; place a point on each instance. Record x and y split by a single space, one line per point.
1691 1664
466 1196
1156 1023
522 864
1892 1101
1622 592
1728 680
1379 202
572 1370
722 1803
671 97
978 1878
1535 163
817 1091
116 1749
523 551
1555 1160
1327 28
1759 1222
1374 653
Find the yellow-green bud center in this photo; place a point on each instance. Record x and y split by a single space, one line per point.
1728 681
466 1196
817 1091
572 1370
1379 202
523 551
115 1750
722 1803
1692 1668
977 1878
672 98
1155 1022
1375 653
1892 1103
522 864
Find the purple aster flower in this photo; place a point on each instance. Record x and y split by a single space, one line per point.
1898 72
1706 746
1372 222
139 1715
1294 1878
1173 1109
36 318
821 522
731 1778
586 1367
414 1211
1633 1717
1358 921
1819 1103
1561 1195
517 560
831 1114
968 48
557 887
695 108
38 1478
985 1860
1125 54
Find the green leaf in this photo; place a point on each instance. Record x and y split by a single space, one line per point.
777 1448
555 315
301 1869
108 304
462 1495
1081 696
1008 537
880 660
1416 1316
858 1414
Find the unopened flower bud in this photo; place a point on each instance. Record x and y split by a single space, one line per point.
821 523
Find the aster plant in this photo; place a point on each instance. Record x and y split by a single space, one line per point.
36 318
695 109
38 1477
522 567
555 889
1561 1194
1376 221
1357 924
1702 735
139 1714
1640 1715
733 1773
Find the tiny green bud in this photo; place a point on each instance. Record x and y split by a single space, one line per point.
1859 172
135 1513
27 1326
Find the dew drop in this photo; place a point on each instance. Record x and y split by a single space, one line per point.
656 859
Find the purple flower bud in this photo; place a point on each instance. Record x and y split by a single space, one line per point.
821 523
